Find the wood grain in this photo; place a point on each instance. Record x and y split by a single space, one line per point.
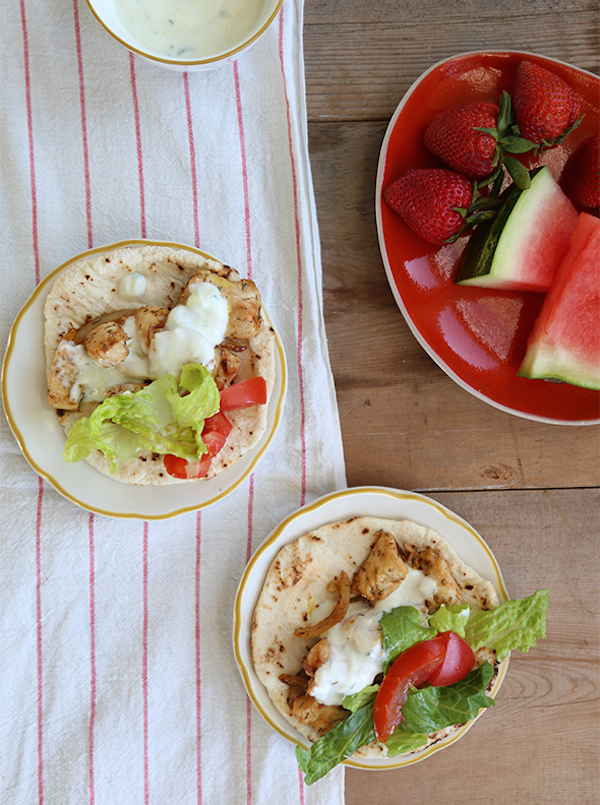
530 489
358 66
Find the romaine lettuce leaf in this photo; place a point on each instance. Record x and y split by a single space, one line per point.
358 700
514 624
451 619
431 709
156 418
401 629
338 744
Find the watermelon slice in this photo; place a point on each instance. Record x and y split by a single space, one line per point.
521 248
564 344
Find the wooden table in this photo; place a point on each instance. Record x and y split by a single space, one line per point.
531 490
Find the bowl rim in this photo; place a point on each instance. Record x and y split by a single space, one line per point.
189 63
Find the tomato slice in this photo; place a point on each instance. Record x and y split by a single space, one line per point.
214 440
252 391
181 468
214 435
218 422
413 667
457 663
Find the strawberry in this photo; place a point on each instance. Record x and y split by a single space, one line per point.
545 106
453 136
437 204
583 179
476 139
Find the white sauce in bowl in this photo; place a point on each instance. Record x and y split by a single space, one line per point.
189 29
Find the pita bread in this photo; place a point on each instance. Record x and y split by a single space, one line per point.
92 287
297 581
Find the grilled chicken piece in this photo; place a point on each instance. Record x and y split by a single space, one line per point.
227 365
114 315
432 564
316 657
383 570
244 312
323 717
121 388
106 344
62 379
149 319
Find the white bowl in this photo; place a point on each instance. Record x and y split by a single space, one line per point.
108 15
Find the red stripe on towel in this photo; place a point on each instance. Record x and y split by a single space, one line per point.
38 526
238 100
38 607
188 109
34 220
145 658
299 264
138 139
86 161
92 659
198 666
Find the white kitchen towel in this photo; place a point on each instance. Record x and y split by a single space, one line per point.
118 683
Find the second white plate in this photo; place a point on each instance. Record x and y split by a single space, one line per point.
391 504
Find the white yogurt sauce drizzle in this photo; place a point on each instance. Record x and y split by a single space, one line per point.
189 29
356 651
190 335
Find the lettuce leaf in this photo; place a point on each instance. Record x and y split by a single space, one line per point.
156 418
401 629
426 711
357 700
514 624
337 744
431 709
451 619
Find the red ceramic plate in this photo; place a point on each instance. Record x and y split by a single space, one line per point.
477 336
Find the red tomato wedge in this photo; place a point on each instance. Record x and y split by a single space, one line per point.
413 667
457 663
252 391
217 428
214 440
218 422
181 468
441 661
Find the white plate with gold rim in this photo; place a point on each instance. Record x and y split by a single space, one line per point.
393 504
42 439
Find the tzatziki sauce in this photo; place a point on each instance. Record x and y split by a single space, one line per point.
189 29
355 646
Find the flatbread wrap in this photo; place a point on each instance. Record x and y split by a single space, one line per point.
146 348
341 606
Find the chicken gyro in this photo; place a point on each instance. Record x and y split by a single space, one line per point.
160 363
374 639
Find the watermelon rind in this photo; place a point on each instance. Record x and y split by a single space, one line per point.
564 344
501 254
552 363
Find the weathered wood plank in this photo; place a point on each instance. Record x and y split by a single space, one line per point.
419 429
359 70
